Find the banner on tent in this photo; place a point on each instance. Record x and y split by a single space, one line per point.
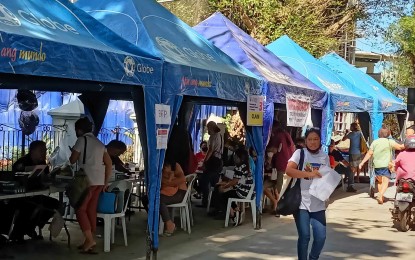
163 114
162 138
255 110
298 109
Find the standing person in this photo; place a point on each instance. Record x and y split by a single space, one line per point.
405 161
213 163
97 167
381 150
341 166
355 156
312 211
115 149
282 147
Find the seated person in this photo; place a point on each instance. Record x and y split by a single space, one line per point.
37 210
116 148
341 166
36 156
299 143
173 190
238 187
200 158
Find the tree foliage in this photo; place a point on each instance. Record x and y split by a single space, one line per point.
317 25
402 36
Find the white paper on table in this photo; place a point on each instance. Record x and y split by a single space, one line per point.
323 187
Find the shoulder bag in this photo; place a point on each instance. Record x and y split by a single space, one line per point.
290 200
77 189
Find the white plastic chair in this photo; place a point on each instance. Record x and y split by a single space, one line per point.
184 207
243 201
109 219
211 189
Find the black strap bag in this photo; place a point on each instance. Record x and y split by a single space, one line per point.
290 200
77 189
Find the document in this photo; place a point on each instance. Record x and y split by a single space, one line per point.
323 187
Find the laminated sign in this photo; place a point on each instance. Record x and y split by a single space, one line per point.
255 111
162 138
163 114
298 109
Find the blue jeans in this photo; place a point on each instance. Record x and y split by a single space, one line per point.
317 220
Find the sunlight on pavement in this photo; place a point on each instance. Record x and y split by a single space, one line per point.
225 239
251 255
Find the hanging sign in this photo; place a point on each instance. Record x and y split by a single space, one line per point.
162 138
255 110
298 109
163 114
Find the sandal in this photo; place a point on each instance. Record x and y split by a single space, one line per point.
89 251
169 234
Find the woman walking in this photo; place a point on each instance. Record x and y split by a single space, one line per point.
382 151
312 210
97 166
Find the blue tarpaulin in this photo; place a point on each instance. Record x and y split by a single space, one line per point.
384 100
194 66
241 47
280 77
343 96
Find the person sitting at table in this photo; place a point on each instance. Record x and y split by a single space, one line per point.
37 210
173 190
341 166
115 149
238 187
36 156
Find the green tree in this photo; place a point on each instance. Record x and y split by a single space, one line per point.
317 25
402 36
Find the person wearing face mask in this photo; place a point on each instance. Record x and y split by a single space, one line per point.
200 158
312 211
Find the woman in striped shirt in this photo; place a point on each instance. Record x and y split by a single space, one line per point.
241 183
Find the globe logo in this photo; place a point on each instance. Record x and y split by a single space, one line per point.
172 51
7 17
129 66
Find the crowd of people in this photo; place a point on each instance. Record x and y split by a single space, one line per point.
283 157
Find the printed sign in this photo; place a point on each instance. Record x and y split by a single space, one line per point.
163 114
255 111
298 109
162 138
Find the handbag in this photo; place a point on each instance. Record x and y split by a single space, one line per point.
77 189
107 202
290 200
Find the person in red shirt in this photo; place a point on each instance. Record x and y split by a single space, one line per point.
279 150
200 158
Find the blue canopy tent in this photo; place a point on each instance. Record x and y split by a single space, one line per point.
280 77
52 45
343 96
385 101
194 68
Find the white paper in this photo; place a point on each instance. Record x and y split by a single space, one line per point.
323 187
162 138
163 114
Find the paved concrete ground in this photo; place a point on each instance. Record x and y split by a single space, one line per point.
358 228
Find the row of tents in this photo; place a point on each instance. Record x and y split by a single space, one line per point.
137 50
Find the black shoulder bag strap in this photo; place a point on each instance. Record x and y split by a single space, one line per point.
300 166
83 160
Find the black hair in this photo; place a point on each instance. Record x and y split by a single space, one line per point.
313 130
117 145
84 125
203 142
36 144
243 155
169 160
411 127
